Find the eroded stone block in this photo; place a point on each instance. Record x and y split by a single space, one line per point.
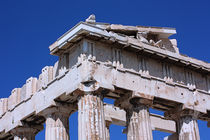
31 86
14 98
23 93
3 106
45 77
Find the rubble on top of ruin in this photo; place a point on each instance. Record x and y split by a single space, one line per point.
154 36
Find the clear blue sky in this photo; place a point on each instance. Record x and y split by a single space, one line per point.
28 27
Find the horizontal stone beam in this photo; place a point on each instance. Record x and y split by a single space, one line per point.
42 99
166 93
64 87
161 124
118 117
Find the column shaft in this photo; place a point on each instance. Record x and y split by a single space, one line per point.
107 131
57 126
188 128
139 124
91 118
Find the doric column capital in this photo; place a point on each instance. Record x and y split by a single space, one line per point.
137 115
131 100
90 88
138 101
60 109
179 112
57 121
186 122
26 132
124 101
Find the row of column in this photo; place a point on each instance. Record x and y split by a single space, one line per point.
92 125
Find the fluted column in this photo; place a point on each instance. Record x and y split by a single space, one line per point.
107 130
186 123
188 128
138 123
91 117
57 123
24 133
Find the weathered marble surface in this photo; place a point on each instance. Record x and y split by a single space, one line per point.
109 60
91 119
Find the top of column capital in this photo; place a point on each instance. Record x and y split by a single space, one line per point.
180 112
134 99
137 101
34 129
59 108
90 87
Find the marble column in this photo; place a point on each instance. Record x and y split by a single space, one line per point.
107 130
138 123
188 128
186 123
24 133
57 123
91 117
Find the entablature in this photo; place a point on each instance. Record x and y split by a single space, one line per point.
94 32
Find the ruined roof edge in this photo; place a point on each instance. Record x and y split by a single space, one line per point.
98 31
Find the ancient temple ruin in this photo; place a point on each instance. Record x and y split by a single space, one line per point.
138 67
